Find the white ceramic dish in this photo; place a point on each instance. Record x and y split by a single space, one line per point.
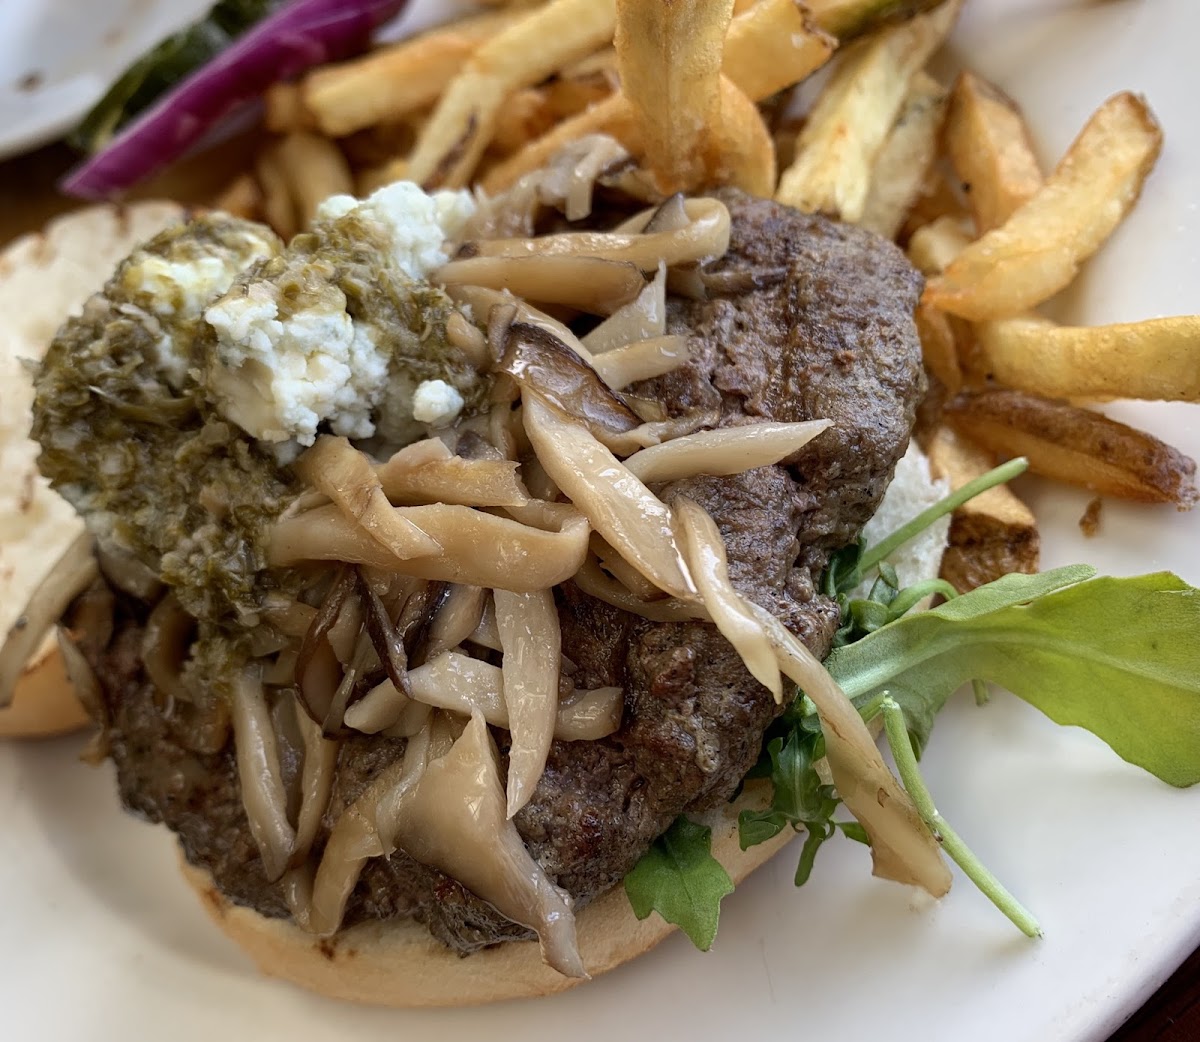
99 939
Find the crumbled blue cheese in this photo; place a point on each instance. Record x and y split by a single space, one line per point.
287 363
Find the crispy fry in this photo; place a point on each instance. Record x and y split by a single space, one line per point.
284 109
990 535
743 151
669 59
522 55
1074 445
568 95
390 83
991 150
773 45
903 163
278 206
937 198
851 119
1039 249
526 115
316 170
242 198
377 176
847 19
933 247
1157 359
939 348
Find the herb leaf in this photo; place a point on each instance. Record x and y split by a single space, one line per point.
1119 657
679 878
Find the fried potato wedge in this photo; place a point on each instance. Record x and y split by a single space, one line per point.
1158 359
772 45
933 247
1039 249
284 109
991 149
990 535
522 55
854 113
904 162
394 81
1077 446
847 19
742 148
939 347
669 60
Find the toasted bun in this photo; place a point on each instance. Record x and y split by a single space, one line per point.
45 278
399 964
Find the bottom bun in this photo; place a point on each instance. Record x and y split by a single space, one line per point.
44 702
399 964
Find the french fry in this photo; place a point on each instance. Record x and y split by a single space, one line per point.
743 151
991 535
937 198
933 247
522 55
526 115
669 60
1077 446
772 45
278 206
316 169
284 109
374 177
394 81
991 150
903 163
241 198
1039 249
939 347
1158 359
851 119
847 19
750 35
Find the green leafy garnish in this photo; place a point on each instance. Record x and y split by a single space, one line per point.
1118 657
679 878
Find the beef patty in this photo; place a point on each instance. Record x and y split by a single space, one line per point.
807 318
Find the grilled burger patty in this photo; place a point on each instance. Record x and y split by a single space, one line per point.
806 318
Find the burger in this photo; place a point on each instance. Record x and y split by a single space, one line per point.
448 554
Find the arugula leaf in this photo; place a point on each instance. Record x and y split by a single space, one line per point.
801 799
679 878
1118 657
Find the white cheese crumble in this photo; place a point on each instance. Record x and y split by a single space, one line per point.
282 378
436 403
279 380
415 224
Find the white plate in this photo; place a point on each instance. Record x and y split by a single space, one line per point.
58 57
100 940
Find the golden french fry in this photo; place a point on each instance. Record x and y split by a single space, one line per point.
939 348
934 246
772 45
751 34
1039 249
569 94
669 60
938 198
374 177
743 151
847 19
278 206
526 115
284 109
907 155
851 119
991 150
1157 359
1075 445
990 535
242 197
522 55
394 81
316 169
